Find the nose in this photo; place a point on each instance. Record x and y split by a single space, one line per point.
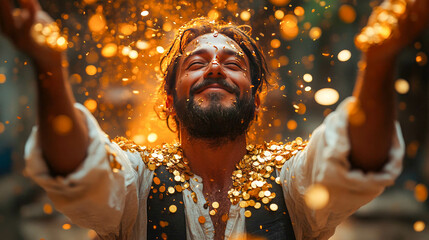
214 70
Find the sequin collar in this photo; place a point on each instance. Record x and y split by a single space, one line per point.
250 186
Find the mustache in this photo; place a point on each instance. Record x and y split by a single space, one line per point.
220 81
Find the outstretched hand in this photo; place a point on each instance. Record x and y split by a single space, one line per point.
411 21
16 24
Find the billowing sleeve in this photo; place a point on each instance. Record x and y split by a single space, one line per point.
103 192
325 161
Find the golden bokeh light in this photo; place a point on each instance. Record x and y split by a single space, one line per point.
419 226
168 26
109 50
402 86
315 33
127 29
2 78
75 78
90 1
92 234
421 58
66 226
133 54
2 127
245 15
213 14
90 104
326 96
292 125
356 115
316 197
144 13
152 137
62 124
301 108
280 2
47 208
142 45
139 139
97 23
299 11
421 192
347 13
279 14
275 43
288 27
91 70
307 77
344 55
160 49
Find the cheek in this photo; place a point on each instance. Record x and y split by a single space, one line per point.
185 82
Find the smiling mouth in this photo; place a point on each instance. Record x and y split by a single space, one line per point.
214 86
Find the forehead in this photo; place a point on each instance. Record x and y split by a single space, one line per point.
213 41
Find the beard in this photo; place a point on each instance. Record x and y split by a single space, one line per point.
215 123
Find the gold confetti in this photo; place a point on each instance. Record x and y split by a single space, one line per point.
201 219
258 164
172 208
163 224
215 204
156 180
247 213
274 207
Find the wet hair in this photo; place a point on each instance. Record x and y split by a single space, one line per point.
198 27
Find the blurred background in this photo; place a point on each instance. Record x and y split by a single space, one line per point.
114 49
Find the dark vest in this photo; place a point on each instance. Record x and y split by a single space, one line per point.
162 224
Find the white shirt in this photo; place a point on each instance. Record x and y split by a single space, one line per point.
114 204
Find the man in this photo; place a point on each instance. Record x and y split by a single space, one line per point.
213 74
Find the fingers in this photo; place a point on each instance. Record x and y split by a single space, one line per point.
7 22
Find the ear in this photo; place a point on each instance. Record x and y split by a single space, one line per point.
169 102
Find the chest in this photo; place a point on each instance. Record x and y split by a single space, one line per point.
169 216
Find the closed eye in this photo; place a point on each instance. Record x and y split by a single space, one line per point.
196 65
233 65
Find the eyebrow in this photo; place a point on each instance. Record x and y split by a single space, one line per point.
226 51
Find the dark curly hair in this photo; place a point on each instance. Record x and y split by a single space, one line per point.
198 27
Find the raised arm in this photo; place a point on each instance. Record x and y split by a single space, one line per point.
371 118
62 129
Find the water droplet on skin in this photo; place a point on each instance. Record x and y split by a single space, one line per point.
215 34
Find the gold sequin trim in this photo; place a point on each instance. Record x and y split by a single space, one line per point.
250 186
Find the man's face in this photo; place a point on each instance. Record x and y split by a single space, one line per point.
213 95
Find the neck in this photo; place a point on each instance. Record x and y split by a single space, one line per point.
213 161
